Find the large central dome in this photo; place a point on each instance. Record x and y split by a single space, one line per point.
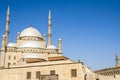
30 32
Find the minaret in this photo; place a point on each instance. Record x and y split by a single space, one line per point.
5 38
3 42
117 60
59 45
18 35
2 57
49 29
44 38
7 25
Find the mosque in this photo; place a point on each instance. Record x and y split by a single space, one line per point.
34 57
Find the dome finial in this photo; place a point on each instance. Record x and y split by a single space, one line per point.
31 26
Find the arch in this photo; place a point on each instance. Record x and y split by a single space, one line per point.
85 77
9 57
8 64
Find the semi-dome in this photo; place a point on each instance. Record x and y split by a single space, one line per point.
31 44
30 32
11 44
51 47
31 55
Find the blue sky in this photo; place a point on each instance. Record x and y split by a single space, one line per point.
90 29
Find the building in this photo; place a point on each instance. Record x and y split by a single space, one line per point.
112 71
33 57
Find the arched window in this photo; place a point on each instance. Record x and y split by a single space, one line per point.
8 64
9 57
85 77
14 57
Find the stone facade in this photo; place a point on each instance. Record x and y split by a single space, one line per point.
113 71
62 69
109 71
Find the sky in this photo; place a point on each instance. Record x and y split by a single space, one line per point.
90 29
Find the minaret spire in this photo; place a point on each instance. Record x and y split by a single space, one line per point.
49 29
117 59
7 25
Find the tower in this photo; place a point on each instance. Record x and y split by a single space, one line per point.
3 48
3 43
117 60
49 28
59 45
44 38
5 38
7 25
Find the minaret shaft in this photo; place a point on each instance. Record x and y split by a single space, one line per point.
49 29
59 45
5 39
7 25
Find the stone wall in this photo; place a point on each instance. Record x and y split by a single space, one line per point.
63 71
116 77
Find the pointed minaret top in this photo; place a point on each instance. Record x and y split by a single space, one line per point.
117 59
8 15
49 28
7 25
8 11
49 14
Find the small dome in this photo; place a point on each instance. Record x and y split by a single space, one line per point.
30 32
31 55
11 44
59 39
3 35
31 44
51 47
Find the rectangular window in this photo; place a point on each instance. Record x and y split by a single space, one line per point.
37 74
73 73
28 75
52 72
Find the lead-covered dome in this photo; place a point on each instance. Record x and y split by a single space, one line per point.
32 32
